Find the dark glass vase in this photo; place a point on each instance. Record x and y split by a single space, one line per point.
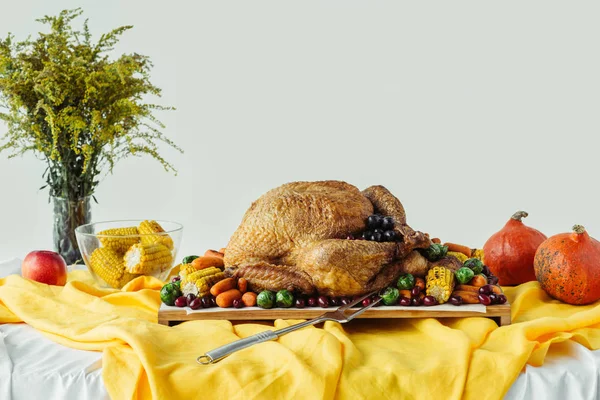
68 215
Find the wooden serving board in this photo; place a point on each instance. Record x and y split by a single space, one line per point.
173 315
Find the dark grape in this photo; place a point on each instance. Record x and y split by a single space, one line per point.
387 223
389 236
366 235
206 302
493 298
180 301
404 301
176 278
366 302
300 302
485 289
335 301
501 298
377 237
415 291
486 271
313 302
213 301
416 301
456 300
374 221
345 301
195 304
323 301
429 301
493 280
238 303
378 231
189 298
484 299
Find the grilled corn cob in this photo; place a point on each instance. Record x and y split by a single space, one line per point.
152 232
119 244
199 282
108 266
461 257
440 283
147 258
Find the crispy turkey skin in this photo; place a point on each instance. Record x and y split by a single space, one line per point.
293 237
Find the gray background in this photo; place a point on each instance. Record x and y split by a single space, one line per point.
466 110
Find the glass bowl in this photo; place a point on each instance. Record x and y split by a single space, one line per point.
116 252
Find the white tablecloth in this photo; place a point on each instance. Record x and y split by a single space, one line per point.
34 367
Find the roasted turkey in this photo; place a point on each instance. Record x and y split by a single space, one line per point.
295 237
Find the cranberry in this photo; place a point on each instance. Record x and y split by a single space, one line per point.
501 298
213 301
404 301
323 301
350 237
181 301
366 302
238 303
176 278
300 302
484 299
335 302
345 301
195 304
429 301
312 302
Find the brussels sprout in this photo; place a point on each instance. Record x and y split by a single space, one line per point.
435 252
284 299
390 296
475 264
464 275
177 284
406 282
265 299
169 293
188 259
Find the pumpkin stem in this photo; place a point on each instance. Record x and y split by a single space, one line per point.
519 215
578 229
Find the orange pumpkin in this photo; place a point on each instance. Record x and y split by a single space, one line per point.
567 266
509 252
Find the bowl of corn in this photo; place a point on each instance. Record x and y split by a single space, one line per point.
117 252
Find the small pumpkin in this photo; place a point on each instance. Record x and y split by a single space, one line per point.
567 266
509 252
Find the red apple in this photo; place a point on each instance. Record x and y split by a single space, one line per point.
46 267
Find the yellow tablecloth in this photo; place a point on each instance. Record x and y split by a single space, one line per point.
445 359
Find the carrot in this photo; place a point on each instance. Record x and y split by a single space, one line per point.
467 288
242 285
226 299
478 280
222 250
207 261
405 293
222 286
496 289
467 297
436 240
459 248
214 253
249 299
420 282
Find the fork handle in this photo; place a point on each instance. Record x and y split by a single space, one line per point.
225 350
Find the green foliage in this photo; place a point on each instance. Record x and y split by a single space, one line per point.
67 102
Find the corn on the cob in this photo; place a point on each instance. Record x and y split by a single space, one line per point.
478 253
147 258
440 283
119 244
152 232
200 282
108 266
186 269
461 257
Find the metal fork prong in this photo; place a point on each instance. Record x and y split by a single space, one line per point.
355 302
362 310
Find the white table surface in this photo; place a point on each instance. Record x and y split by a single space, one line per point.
34 367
